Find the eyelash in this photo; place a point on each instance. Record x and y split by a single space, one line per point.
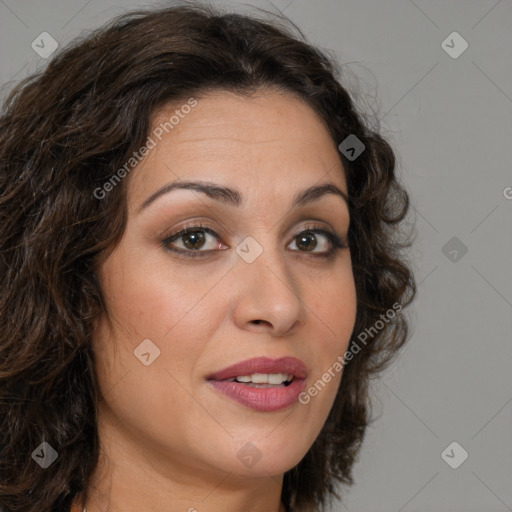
335 241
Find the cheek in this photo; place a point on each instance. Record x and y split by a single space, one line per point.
149 300
334 304
145 305
335 307
147 296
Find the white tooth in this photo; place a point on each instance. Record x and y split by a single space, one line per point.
260 378
264 378
276 378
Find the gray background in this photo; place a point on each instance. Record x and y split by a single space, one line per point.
450 121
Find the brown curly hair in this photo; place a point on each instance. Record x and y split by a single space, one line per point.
63 133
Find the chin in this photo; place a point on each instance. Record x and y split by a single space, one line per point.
275 467
265 455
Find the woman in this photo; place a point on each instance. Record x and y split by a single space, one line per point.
202 270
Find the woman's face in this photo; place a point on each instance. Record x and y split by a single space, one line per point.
253 278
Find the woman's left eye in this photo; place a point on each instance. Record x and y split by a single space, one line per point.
201 240
316 241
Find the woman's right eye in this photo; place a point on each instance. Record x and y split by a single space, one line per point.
194 241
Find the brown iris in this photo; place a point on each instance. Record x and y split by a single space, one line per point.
194 240
307 241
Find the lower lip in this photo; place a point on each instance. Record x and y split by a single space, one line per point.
261 399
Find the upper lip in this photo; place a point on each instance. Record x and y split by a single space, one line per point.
286 365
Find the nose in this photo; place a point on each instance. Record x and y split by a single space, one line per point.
266 296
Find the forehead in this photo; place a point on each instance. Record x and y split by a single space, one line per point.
263 115
258 142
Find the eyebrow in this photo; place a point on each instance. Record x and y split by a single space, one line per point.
232 197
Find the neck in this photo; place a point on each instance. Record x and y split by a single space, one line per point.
130 485
131 475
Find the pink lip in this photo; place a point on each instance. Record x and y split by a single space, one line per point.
262 399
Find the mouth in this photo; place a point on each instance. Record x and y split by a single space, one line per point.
262 384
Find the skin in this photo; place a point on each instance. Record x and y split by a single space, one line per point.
169 441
